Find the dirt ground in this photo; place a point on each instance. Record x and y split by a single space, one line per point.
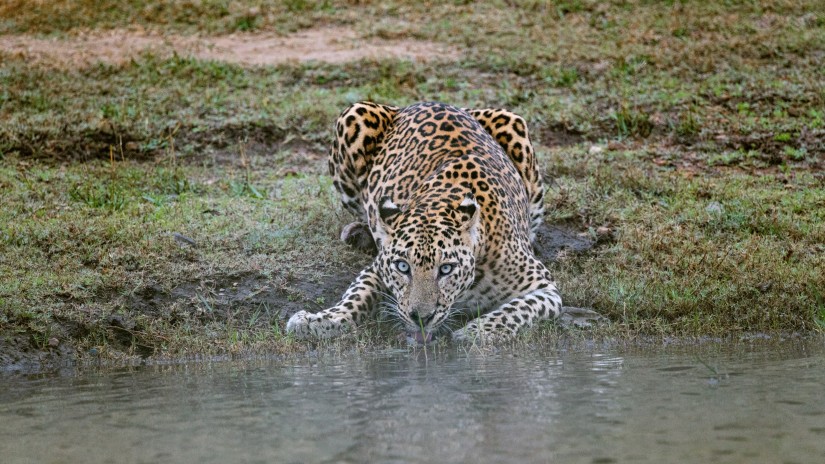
329 44
230 296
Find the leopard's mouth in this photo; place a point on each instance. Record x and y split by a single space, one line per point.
423 334
419 331
419 337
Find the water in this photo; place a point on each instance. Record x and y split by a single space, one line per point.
711 404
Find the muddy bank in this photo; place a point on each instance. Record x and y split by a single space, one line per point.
21 353
239 299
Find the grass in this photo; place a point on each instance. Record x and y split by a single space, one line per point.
171 206
748 246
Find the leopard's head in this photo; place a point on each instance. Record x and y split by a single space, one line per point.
427 259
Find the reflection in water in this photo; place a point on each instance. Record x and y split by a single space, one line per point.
714 404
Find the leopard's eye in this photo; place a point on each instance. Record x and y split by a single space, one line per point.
445 269
402 266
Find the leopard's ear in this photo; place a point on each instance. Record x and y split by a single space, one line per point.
387 212
387 209
470 216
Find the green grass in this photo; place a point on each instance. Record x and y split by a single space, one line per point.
711 254
709 177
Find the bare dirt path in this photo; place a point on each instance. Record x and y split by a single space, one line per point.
329 44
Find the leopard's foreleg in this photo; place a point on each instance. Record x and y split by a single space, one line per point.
355 306
508 319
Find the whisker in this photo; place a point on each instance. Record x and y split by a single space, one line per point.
388 296
453 319
390 312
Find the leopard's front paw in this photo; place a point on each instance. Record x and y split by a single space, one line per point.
321 325
299 324
477 334
470 333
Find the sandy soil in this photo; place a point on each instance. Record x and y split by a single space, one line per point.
329 44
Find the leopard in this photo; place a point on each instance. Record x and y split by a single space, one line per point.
451 199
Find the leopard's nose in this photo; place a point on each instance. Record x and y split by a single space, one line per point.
421 320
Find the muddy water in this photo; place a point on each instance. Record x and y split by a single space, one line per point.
710 404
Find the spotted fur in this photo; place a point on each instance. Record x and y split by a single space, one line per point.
452 199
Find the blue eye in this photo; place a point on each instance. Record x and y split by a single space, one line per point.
445 269
402 266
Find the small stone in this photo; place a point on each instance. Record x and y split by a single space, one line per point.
595 150
602 231
53 342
